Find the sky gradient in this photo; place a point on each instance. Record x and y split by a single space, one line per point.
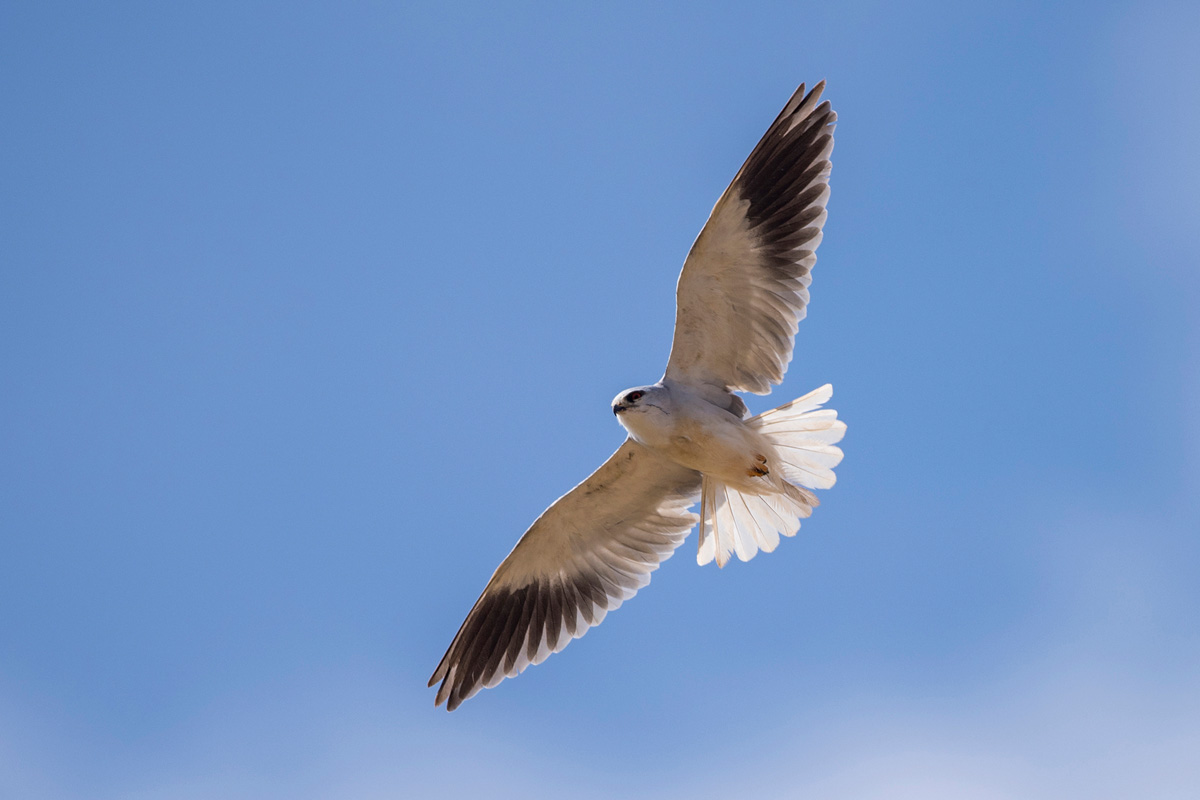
308 310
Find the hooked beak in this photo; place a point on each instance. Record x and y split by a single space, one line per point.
618 408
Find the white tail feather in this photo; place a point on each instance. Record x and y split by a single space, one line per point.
803 436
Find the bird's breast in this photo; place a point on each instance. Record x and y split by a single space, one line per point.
717 444
699 436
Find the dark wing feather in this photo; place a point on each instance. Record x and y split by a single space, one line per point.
744 285
585 555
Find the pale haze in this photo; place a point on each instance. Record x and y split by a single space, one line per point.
307 311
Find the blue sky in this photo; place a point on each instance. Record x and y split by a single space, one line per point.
307 310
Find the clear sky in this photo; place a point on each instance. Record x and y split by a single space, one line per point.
308 309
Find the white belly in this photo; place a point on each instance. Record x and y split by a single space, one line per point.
702 437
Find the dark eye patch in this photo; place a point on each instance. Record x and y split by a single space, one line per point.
633 397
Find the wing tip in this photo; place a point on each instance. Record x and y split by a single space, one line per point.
805 102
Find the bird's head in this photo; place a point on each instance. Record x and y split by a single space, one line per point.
641 399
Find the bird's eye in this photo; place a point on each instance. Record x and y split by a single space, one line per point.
633 397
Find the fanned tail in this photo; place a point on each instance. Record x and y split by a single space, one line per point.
803 436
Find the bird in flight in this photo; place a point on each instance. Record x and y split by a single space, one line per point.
742 291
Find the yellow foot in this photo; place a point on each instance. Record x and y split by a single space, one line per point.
760 469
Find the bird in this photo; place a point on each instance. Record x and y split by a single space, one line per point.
743 288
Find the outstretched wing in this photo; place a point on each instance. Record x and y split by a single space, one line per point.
744 286
585 555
